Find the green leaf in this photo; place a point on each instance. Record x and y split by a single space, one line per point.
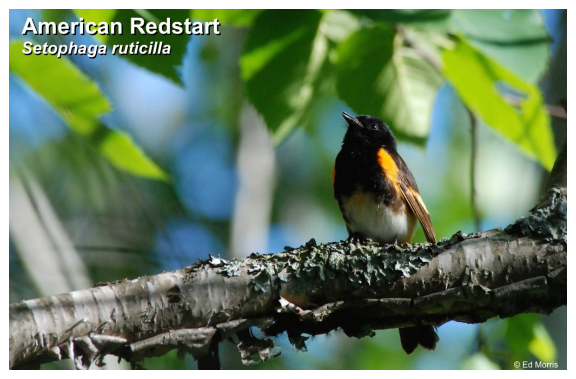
79 102
378 76
123 153
526 333
484 86
516 38
519 333
405 16
479 361
542 346
280 64
165 65
338 25
71 93
97 16
236 17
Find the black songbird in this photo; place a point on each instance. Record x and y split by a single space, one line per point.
379 199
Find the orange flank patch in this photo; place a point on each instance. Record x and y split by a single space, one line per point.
387 163
333 174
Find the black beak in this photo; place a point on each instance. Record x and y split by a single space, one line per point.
352 121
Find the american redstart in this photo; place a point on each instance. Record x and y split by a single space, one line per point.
379 199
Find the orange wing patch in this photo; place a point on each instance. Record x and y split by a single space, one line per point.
333 174
387 163
410 194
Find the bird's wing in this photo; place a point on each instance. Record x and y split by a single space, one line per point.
409 190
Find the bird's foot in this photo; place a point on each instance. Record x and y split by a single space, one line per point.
392 244
356 238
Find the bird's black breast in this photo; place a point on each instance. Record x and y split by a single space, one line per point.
357 169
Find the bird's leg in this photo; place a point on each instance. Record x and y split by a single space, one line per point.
356 237
393 244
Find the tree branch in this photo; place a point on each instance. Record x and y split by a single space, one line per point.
468 278
310 290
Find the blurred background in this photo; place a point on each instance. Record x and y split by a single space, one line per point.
221 174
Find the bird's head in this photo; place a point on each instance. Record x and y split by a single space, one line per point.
368 129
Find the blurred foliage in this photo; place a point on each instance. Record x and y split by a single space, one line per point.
377 75
515 38
478 80
79 102
375 72
281 62
526 334
168 67
420 70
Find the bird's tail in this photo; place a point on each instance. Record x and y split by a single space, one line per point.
423 335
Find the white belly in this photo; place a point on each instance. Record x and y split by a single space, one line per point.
378 222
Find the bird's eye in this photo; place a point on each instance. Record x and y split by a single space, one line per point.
374 126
